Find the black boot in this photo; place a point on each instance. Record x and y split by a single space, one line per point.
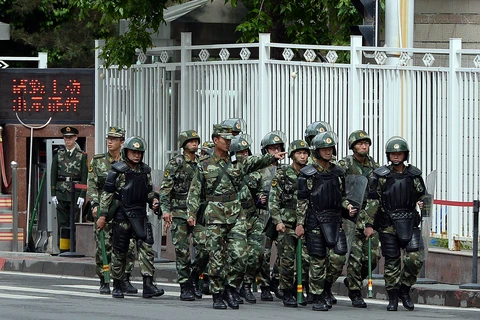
127 286
206 284
404 295
328 295
266 295
117 289
197 292
392 300
186 293
236 296
229 298
104 286
218 302
319 303
275 288
288 300
149 289
246 292
307 296
357 300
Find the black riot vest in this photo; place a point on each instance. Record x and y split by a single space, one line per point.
326 195
134 193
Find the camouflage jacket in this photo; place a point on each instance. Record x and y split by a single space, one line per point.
66 165
377 187
353 167
178 175
223 199
282 201
303 204
97 173
107 198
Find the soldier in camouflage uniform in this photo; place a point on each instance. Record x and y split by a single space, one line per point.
360 163
179 173
97 173
283 204
69 163
321 193
396 189
311 131
218 182
128 188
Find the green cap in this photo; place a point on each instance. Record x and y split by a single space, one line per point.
116 132
223 131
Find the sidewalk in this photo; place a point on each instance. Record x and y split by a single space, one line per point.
431 294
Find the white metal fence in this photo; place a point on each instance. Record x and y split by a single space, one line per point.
428 96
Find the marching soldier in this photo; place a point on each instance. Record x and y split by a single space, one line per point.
283 204
320 196
97 174
178 175
130 182
69 163
217 182
360 163
396 189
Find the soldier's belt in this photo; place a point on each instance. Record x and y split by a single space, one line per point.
329 219
224 198
289 205
177 196
402 215
68 179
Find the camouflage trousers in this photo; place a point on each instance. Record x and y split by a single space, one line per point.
107 230
254 247
181 239
264 276
357 265
394 274
145 255
287 252
227 246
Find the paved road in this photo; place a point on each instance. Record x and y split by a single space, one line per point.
39 296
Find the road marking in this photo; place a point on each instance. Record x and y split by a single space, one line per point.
20 297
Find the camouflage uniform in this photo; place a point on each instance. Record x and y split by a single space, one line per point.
357 265
398 279
225 220
111 206
67 165
97 173
178 175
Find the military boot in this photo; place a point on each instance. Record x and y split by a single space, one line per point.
197 292
236 296
404 295
186 293
246 292
117 289
288 300
307 296
265 295
149 289
104 286
218 302
392 300
229 298
127 286
356 298
319 303
328 295
206 284
275 288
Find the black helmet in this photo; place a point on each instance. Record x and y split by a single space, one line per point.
397 144
240 143
356 136
324 140
273 138
315 128
186 136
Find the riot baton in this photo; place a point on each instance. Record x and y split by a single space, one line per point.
370 282
106 265
299 272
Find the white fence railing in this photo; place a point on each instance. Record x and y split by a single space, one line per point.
428 96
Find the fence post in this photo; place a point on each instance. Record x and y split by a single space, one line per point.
474 284
14 166
454 119
185 57
264 109
1 146
99 105
355 94
42 60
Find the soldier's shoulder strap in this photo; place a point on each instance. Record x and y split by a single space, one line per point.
120 166
308 170
146 168
60 150
382 171
179 159
338 170
99 156
414 171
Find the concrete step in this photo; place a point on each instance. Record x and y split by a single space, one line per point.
6 238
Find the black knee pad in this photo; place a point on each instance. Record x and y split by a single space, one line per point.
341 247
390 246
416 241
149 232
316 244
120 238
